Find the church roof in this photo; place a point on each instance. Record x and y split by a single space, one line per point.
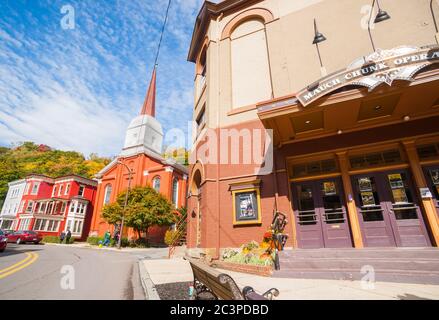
149 103
166 162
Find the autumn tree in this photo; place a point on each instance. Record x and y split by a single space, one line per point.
27 158
145 208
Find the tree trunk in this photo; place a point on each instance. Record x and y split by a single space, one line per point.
146 237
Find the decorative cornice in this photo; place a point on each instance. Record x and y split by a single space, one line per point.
16 182
288 104
209 11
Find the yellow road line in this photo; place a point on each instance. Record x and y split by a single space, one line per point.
28 257
18 266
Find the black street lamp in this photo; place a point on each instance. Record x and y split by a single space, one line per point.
318 38
119 244
435 23
381 16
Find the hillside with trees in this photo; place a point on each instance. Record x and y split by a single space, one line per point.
26 158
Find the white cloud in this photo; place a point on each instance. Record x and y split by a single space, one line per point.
78 89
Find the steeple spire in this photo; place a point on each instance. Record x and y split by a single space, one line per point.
149 104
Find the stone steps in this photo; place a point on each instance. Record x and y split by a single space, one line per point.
414 265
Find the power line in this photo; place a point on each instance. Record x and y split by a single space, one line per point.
161 35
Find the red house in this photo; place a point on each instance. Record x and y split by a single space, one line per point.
51 206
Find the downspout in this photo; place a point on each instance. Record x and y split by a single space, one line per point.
276 189
276 192
218 247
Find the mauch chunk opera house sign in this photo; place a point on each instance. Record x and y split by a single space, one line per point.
382 66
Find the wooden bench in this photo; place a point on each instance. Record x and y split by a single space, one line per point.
210 284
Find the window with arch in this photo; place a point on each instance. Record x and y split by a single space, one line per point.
156 184
250 66
175 192
107 196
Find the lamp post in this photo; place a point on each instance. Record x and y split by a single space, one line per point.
381 16
318 37
119 244
435 23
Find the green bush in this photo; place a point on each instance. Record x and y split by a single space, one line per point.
249 258
56 239
94 241
139 243
125 242
51 239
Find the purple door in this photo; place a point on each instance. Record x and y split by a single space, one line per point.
374 217
432 177
308 222
389 210
321 218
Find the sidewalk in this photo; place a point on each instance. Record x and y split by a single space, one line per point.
153 253
164 271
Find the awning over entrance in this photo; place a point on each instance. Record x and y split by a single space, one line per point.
387 87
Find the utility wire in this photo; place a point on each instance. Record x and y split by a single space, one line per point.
161 35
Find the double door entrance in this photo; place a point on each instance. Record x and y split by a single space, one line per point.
432 177
321 217
387 206
388 209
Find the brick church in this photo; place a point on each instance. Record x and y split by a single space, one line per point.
142 153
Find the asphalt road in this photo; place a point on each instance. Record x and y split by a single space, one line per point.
62 272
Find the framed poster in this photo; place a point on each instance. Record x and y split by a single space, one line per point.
367 198
329 188
246 205
365 184
434 174
399 195
396 181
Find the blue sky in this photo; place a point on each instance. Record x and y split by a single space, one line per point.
77 89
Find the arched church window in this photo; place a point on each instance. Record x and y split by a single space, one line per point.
156 184
175 192
108 190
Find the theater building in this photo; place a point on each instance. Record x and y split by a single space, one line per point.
53 205
142 156
353 109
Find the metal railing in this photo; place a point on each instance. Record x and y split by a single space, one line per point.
179 237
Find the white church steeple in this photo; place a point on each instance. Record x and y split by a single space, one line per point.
145 134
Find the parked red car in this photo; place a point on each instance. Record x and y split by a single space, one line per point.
3 241
25 236
7 232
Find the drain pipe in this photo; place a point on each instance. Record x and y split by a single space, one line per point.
218 246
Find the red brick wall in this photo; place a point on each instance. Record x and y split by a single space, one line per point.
118 178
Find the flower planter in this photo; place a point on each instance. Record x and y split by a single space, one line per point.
265 271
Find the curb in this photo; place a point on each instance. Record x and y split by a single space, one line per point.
88 246
147 284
